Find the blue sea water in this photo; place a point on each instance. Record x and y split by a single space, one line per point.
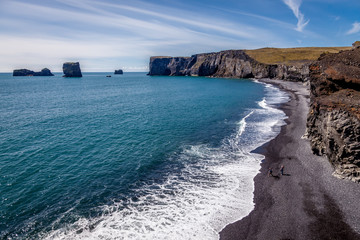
131 156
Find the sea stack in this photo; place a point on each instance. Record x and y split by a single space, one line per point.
118 71
72 69
27 72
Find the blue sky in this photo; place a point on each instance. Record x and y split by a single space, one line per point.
109 34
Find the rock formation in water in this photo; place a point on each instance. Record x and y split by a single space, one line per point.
72 69
334 118
230 64
26 72
120 71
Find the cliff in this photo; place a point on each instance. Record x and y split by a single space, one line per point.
229 64
280 63
72 69
26 72
334 118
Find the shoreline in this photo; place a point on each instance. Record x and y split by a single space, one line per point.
307 202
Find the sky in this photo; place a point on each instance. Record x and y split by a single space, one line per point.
104 35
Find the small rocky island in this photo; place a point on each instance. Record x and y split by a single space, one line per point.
120 71
27 72
72 69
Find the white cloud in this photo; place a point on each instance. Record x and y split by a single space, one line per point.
167 14
294 5
105 35
355 28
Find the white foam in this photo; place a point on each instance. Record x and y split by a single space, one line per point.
214 188
263 104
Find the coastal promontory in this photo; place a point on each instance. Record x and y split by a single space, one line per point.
26 72
290 64
72 69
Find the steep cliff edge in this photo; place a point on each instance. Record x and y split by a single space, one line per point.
230 64
280 63
334 118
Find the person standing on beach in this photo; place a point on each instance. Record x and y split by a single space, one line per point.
282 170
270 172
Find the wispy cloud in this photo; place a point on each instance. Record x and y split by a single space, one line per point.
294 5
103 34
167 14
355 28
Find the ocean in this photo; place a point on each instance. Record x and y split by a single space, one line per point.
131 156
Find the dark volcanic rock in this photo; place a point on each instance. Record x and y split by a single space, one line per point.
72 69
119 71
334 118
159 66
44 72
23 72
26 72
230 64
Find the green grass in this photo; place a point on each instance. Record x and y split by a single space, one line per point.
291 56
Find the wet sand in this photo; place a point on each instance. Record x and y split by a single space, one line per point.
307 202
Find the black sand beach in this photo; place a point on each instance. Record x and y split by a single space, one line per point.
307 202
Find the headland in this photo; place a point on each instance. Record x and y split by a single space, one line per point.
318 147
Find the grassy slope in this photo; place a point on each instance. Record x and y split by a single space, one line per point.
291 56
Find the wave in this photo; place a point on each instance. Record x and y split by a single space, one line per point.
212 188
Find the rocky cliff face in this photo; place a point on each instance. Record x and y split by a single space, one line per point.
26 72
334 118
72 69
230 64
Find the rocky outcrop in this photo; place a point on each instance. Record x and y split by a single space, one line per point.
230 64
72 69
26 72
334 118
119 71
356 44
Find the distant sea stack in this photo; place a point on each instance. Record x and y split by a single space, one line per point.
72 69
118 71
26 72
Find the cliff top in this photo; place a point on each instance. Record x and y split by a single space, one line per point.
291 56
155 57
336 81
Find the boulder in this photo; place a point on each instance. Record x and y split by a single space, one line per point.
72 69
120 71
